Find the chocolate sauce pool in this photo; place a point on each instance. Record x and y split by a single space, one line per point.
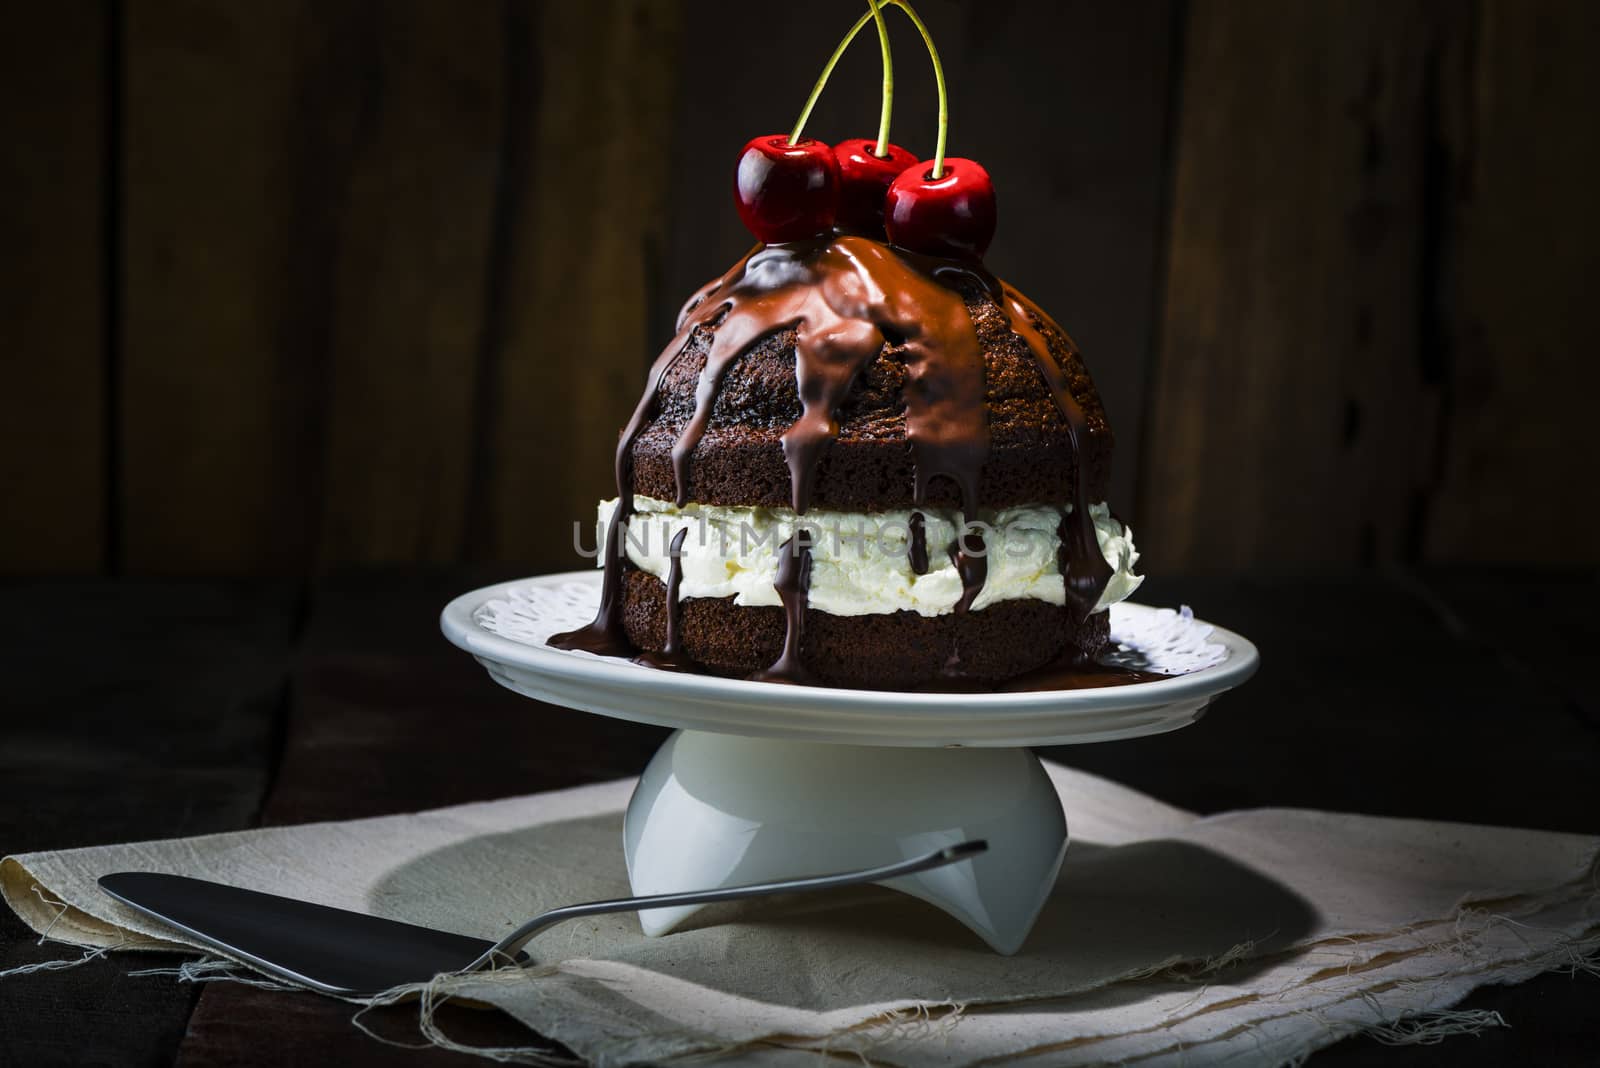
846 297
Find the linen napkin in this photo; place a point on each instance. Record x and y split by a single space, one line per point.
1169 937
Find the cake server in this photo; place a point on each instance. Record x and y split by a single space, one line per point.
350 954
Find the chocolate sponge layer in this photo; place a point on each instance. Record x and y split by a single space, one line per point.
893 651
869 467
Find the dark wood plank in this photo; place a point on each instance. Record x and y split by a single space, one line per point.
590 161
1540 628
310 192
382 699
134 711
414 240
53 110
222 231
1292 415
1550 1019
386 717
239 1026
1064 103
161 696
1373 696
1517 365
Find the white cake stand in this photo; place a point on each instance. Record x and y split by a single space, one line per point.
765 781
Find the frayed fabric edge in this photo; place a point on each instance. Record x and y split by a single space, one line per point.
433 995
87 952
907 1022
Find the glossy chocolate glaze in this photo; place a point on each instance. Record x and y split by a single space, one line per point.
606 636
971 558
1084 569
846 297
793 584
918 549
671 657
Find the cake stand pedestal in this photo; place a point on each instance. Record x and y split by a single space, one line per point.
720 809
765 781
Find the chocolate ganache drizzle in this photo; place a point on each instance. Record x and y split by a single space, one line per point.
671 657
793 583
846 298
917 551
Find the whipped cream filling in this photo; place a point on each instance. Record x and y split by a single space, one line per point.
861 562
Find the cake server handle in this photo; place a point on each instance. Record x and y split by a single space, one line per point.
505 950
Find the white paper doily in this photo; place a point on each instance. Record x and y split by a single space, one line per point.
1164 641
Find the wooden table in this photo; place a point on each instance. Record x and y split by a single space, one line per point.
139 709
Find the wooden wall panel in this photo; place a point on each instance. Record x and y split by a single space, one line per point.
309 194
54 62
1520 455
1292 418
414 258
219 419
591 161
377 282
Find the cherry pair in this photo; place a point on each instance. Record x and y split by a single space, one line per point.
790 191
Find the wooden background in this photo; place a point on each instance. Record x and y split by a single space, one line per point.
291 287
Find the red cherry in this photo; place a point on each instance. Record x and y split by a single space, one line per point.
952 215
864 180
786 192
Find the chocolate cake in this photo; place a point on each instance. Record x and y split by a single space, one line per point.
863 460
917 452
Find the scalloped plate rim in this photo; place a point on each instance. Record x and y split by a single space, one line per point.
459 624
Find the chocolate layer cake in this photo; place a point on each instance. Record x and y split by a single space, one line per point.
860 466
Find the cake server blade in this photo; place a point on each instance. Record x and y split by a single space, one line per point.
333 951
350 954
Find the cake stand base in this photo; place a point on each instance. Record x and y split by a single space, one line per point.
766 781
717 810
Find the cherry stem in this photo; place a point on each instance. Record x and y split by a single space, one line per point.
938 77
887 108
875 13
833 61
